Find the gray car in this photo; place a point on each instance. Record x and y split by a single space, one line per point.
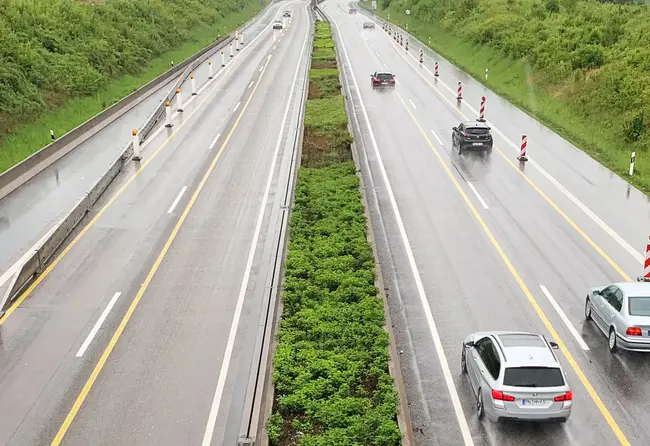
516 376
622 312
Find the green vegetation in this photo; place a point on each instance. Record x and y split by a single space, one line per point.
581 67
63 62
332 385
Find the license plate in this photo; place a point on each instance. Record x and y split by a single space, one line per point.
385 82
534 402
477 143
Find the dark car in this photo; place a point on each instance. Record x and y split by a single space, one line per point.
472 135
286 14
382 79
277 25
369 25
353 11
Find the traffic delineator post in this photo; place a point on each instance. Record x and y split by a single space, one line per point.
459 96
223 59
136 145
168 115
210 69
481 115
193 82
435 70
522 150
179 100
646 265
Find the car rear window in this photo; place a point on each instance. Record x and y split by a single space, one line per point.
384 76
639 306
533 377
477 131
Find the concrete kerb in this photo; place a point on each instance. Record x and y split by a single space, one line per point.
394 368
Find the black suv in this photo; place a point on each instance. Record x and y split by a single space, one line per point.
472 135
382 79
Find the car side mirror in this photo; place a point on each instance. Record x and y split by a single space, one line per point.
372 75
597 292
455 129
469 344
554 345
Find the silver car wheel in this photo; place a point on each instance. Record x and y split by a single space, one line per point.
612 340
463 362
588 309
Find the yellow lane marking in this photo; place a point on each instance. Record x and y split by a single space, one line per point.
120 329
547 323
568 219
119 192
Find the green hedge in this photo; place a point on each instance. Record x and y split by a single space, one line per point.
332 385
581 67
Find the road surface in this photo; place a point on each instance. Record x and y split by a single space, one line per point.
482 243
143 332
29 212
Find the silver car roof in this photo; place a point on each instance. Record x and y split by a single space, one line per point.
634 288
522 349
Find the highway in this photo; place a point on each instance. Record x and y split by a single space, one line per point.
29 212
471 243
143 330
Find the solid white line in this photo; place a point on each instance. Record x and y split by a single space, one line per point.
237 106
178 198
575 200
565 319
97 326
446 371
413 104
437 138
214 141
471 186
221 381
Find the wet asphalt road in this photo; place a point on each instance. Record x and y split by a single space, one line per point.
30 211
157 385
467 285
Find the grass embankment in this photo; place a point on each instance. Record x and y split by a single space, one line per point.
580 67
64 62
332 385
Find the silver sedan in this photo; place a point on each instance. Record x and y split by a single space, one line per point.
622 312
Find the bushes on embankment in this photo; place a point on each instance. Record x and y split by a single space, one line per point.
332 384
582 67
83 56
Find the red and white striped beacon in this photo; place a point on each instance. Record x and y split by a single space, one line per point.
524 143
646 265
481 114
460 91
435 70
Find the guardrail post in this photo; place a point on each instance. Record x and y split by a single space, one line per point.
193 82
179 100
136 146
210 69
168 115
223 59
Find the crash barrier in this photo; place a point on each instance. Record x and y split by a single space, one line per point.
42 255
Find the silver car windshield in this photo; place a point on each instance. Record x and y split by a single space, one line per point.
639 306
533 377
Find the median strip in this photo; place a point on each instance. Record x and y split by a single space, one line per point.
331 376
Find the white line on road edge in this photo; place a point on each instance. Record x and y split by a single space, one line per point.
413 104
386 66
575 200
565 319
471 186
251 84
178 198
237 106
437 138
97 326
221 381
446 371
214 141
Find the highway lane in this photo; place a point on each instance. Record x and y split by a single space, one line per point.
39 367
465 285
29 212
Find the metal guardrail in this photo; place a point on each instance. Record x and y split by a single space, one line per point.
42 255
